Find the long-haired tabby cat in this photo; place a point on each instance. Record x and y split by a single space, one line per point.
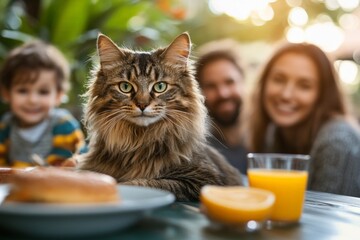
147 122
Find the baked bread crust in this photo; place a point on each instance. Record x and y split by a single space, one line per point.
7 172
56 185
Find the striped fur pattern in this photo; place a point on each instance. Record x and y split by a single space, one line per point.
147 123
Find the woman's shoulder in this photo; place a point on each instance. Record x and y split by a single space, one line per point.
339 125
335 158
339 130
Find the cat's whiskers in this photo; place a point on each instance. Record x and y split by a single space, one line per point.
173 114
106 120
109 121
177 125
185 124
182 113
182 117
211 122
217 129
111 112
112 122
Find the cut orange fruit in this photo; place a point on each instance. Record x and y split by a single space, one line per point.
236 204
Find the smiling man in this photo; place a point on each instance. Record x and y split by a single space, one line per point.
221 78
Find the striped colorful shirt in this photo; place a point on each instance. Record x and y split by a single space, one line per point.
61 139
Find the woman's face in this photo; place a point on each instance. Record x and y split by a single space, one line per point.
291 89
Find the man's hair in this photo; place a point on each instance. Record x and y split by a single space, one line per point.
217 50
23 64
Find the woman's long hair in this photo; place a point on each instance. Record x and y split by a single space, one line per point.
330 102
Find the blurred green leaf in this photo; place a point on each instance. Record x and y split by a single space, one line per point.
72 17
120 17
73 25
16 35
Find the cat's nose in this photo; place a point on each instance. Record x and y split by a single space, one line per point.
142 106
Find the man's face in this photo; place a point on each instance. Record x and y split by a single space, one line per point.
222 85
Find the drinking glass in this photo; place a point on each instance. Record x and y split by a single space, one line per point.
286 176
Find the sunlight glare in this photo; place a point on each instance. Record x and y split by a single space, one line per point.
322 17
238 10
295 35
332 4
294 3
267 13
257 21
325 35
298 16
218 6
242 10
348 71
349 21
348 5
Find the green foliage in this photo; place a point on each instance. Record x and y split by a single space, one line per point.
64 30
73 27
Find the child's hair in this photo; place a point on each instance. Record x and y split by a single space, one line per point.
24 63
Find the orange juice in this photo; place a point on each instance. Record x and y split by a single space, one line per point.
289 188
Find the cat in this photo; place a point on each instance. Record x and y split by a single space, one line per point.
147 123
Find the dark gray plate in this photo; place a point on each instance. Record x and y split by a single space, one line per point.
81 219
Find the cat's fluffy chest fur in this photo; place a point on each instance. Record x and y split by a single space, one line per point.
147 122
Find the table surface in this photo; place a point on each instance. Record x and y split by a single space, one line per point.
325 216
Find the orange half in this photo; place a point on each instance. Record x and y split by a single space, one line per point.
236 204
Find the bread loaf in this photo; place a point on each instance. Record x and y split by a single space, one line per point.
56 185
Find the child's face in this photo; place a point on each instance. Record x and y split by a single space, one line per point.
32 102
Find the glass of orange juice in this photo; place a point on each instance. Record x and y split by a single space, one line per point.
286 176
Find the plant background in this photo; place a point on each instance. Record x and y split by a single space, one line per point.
73 26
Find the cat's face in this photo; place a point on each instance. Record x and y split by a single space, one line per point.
143 87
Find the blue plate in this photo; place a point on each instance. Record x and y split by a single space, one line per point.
63 220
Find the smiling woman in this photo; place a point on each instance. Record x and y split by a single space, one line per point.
299 108
291 92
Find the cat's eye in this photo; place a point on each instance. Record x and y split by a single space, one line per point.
125 87
160 87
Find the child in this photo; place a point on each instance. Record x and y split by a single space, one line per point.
33 80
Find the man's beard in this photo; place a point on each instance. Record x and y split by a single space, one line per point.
226 120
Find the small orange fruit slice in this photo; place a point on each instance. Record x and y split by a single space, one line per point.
236 204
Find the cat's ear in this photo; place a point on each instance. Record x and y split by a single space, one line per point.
179 50
108 51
